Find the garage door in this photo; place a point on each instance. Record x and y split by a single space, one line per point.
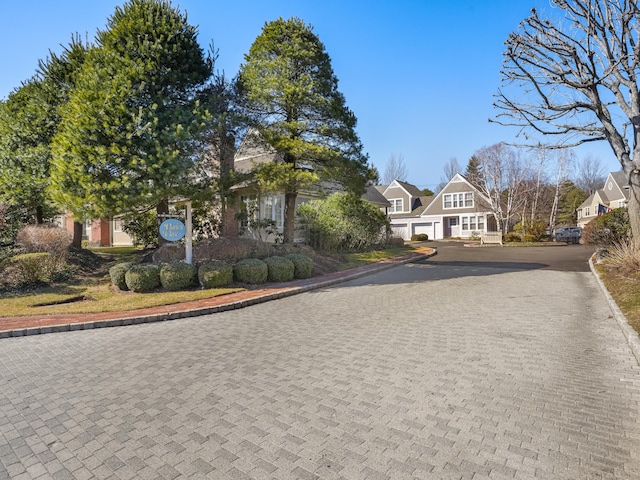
400 231
423 228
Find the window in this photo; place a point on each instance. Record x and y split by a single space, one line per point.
273 209
249 209
468 199
397 205
453 222
586 211
117 225
473 223
458 200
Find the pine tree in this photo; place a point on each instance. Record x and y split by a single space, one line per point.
290 94
131 131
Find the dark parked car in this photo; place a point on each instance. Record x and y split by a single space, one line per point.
568 234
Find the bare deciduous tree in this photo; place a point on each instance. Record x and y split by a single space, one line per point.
504 181
575 77
449 171
394 170
590 175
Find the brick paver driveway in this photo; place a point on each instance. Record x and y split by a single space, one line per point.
506 367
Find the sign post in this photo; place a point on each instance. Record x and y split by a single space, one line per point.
189 238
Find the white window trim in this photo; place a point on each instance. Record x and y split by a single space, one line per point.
274 209
473 221
394 208
457 200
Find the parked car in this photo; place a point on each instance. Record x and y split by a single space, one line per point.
568 234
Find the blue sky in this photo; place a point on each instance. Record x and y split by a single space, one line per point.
419 75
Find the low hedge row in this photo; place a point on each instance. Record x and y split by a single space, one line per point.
145 277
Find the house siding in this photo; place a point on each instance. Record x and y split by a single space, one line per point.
439 222
397 192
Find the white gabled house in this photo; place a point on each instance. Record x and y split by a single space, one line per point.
459 211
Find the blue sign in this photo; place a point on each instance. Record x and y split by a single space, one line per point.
172 230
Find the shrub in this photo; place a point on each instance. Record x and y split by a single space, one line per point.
302 265
512 237
624 257
395 242
27 268
251 270
608 229
143 277
342 222
46 238
142 227
215 274
419 237
535 230
117 274
279 269
177 276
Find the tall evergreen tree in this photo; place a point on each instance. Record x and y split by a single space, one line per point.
474 173
290 94
130 133
24 151
29 119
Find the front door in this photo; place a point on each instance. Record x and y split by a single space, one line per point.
454 226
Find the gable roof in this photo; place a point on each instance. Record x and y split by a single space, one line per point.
373 195
620 187
253 150
468 187
620 178
411 190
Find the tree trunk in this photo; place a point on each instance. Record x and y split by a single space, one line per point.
77 235
634 207
39 215
289 217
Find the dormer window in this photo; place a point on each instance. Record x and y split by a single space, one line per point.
397 205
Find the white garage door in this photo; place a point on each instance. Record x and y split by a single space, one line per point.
400 231
423 228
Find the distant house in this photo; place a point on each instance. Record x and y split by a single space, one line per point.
104 232
614 194
459 211
251 152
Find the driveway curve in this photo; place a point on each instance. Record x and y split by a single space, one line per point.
469 365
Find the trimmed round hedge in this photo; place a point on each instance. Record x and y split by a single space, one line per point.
215 274
143 277
251 270
303 265
177 276
279 269
117 273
